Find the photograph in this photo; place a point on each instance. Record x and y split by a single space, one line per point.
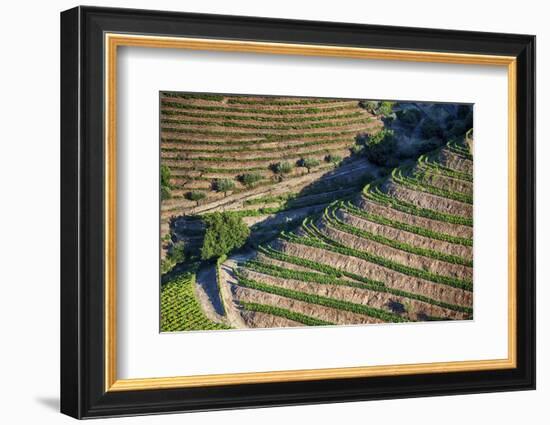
280 211
285 210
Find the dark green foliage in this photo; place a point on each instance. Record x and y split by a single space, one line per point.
178 252
335 159
283 312
308 163
250 179
179 308
357 149
224 232
380 148
409 118
195 195
384 108
165 185
282 167
224 185
175 255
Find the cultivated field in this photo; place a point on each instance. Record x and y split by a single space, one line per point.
340 241
250 145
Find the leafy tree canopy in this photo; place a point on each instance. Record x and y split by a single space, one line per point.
224 233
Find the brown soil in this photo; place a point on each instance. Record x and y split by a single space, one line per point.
427 200
396 215
255 319
449 183
403 236
376 299
373 271
456 162
396 255
332 315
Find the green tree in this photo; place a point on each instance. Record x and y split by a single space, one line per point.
380 148
224 185
195 195
334 159
250 179
308 163
282 167
175 255
385 108
178 252
224 233
165 185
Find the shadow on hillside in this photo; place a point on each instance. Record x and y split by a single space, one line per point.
348 178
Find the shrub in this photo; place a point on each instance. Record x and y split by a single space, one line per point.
409 117
308 163
195 195
224 185
282 167
224 233
250 179
375 107
178 252
380 148
165 185
175 255
356 149
385 108
335 159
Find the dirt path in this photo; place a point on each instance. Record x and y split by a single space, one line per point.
206 289
227 283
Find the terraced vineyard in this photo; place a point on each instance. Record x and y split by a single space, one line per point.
180 309
284 211
221 150
400 251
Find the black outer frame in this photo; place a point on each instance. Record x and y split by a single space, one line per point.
82 207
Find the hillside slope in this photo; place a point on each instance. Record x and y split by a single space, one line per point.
208 138
401 251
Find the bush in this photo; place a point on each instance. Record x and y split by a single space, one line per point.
380 148
224 233
282 167
375 107
224 185
409 117
250 179
175 255
335 159
308 163
385 108
356 149
195 195
165 185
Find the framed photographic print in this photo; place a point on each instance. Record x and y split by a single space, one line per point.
261 212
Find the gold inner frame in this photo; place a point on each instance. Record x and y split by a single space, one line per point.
113 41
